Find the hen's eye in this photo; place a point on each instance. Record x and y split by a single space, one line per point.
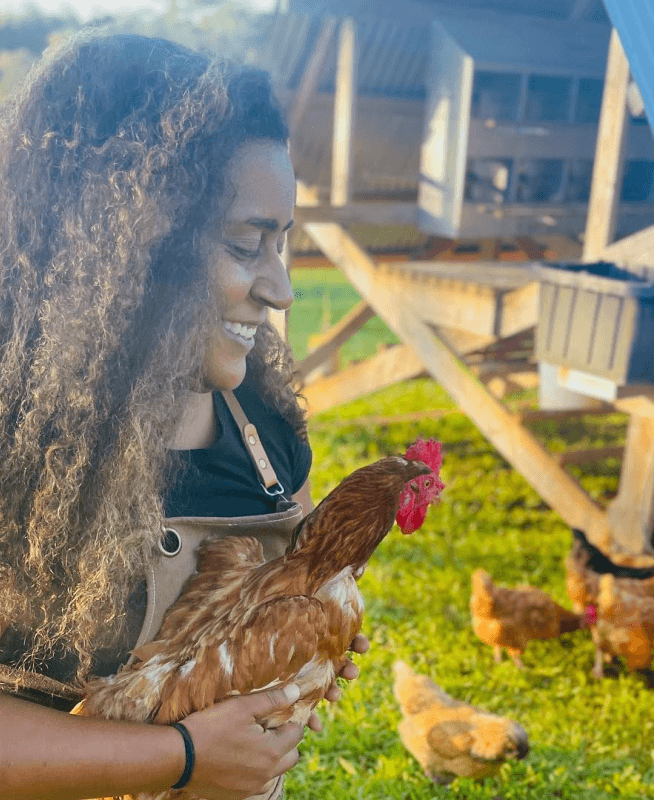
427 483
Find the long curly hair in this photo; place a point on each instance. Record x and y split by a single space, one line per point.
110 156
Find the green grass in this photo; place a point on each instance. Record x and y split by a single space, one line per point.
590 740
322 297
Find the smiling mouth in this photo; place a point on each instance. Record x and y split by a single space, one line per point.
241 331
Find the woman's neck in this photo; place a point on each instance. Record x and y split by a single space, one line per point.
198 427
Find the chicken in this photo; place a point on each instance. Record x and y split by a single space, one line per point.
622 624
242 624
511 618
450 738
585 565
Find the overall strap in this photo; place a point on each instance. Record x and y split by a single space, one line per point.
252 441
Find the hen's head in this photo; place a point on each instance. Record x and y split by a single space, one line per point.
420 492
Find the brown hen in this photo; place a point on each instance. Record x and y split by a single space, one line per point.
623 625
585 565
242 624
450 738
511 618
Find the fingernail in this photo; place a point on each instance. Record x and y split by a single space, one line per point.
292 692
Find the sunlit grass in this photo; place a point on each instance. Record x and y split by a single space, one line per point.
590 740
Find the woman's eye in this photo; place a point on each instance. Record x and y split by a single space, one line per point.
244 252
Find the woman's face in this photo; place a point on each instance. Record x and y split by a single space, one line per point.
249 275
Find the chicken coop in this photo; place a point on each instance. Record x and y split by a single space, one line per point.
485 120
491 118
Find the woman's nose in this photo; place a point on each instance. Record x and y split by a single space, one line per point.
273 286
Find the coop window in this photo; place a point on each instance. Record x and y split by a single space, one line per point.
638 181
580 174
548 99
589 100
496 95
488 180
539 180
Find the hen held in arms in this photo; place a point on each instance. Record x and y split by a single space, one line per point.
242 624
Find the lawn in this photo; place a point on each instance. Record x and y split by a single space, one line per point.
590 740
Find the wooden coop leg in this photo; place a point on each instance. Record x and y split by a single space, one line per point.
609 154
631 514
559 489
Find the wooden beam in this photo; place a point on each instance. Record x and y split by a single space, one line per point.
389 366
344 114
589 456
382 213
609 155
634 250
335 338
515 443
311 76
631 514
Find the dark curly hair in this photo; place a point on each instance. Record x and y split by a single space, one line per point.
110 156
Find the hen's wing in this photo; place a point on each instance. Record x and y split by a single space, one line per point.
273 645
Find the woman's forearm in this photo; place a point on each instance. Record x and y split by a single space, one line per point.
56 756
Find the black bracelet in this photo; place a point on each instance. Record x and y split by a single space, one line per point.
190 756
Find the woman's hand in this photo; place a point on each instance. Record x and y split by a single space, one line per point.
349 671
235 756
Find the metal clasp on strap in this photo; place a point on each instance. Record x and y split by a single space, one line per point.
274 490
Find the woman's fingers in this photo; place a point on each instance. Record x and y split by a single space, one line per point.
360 644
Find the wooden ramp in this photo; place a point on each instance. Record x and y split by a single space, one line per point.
440 315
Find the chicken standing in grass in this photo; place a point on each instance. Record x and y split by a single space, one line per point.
242 624
511 618
585 566
450 738
622 624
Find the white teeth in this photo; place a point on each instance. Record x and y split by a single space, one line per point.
238 328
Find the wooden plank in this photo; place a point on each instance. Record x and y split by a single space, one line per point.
634 250
311 76
356 379
609 155
636 399
631 514
359 213
588 456
515 443
344 114
335 338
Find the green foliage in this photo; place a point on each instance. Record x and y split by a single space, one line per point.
590 740
322 297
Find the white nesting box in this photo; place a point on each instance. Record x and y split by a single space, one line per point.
511 116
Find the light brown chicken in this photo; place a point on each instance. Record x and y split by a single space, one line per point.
450 738
623 625
511 618
585 564
242 624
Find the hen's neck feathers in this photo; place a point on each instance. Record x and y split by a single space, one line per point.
347 526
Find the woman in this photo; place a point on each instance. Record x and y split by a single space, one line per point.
146 194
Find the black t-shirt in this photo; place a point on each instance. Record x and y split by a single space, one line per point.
221 481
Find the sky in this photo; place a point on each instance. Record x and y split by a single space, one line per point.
88 9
